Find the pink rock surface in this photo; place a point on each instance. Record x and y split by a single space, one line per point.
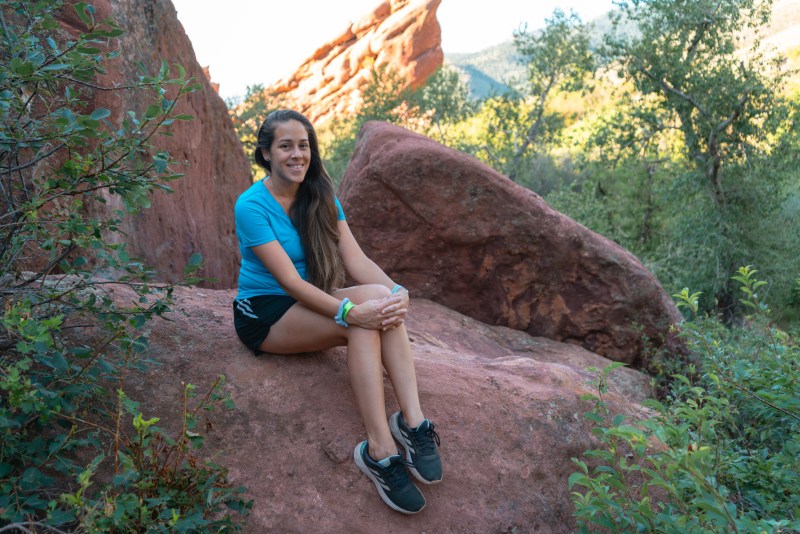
505 404
400 35
198 216
453 230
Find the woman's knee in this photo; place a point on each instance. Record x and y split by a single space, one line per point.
365 292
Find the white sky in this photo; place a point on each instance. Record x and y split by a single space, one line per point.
246 42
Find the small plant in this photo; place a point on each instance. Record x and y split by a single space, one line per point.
721 453
160 483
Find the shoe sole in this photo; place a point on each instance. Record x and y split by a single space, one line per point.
394 427
385 498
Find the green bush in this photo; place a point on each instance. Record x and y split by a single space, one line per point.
65 343
720 454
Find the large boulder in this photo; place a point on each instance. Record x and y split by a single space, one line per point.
455 231
505 404
198 216
402 36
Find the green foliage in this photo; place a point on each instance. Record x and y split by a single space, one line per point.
431 110
689 166
160 483
247 117
687 65
721 453
686 55
558 59
444 101
383 99
65 341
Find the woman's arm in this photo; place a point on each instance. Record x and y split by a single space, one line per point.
281 267
275 259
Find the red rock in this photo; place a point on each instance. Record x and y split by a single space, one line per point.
505 404
198 216
207 74
453 230
401 35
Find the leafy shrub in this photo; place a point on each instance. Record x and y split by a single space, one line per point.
721 453
65 343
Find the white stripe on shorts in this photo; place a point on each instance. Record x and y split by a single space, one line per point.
245 309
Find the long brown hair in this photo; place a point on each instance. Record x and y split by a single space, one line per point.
313 212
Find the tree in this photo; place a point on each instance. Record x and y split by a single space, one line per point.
444 100
687 53
558 58
685 58
247 117
384 98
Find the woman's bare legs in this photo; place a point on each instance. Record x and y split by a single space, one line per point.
395 356
399 364
368 351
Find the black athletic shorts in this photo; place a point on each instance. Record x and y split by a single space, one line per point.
253 317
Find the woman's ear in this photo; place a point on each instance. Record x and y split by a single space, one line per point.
265 153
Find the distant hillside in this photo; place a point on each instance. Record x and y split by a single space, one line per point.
490 71
493 70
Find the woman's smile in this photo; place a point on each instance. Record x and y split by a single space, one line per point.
290 153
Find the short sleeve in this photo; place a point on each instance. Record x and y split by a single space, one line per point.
339 211
252 225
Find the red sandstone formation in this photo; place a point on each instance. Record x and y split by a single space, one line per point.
207 74
453 230
505 404
198 216
401 35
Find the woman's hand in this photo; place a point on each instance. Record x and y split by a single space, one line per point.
379 314
395 309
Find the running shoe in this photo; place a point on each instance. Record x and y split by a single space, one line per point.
391 479
421 448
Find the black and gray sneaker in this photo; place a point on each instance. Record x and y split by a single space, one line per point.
391 480
420 445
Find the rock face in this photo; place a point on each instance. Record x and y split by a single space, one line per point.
455 231
401 35
505 404
198 216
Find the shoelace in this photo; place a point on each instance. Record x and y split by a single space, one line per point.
396 474
426 445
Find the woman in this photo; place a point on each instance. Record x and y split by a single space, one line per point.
296 246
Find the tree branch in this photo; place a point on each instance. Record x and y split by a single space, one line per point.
5 29
101 88
34 161
533 131
669 88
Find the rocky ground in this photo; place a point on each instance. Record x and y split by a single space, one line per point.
505 404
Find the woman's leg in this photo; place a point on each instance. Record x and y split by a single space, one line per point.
303 330
399 364
395 355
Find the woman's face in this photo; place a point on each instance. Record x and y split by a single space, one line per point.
290 153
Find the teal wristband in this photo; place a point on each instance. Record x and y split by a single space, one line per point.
397 288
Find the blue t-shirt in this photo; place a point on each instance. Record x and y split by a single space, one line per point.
261 219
